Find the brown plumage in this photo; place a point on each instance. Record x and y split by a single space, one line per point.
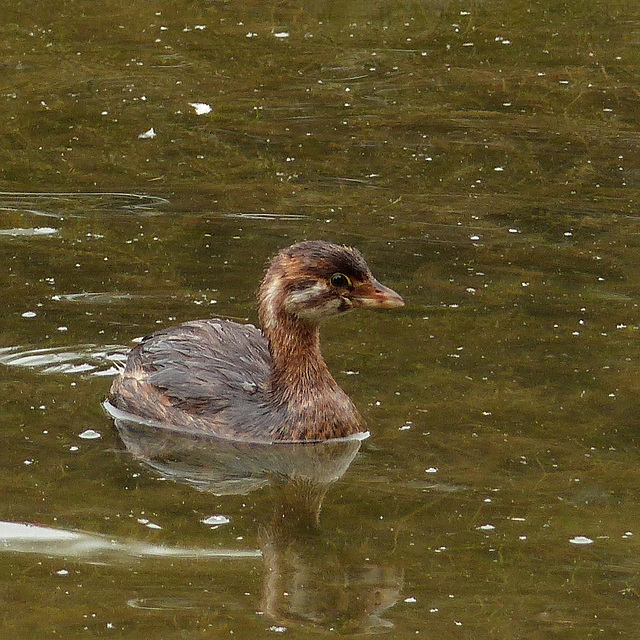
235 381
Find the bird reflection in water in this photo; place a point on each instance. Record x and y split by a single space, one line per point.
309 581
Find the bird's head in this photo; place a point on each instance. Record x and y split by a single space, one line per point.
314 280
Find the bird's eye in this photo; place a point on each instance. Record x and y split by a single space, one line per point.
340 281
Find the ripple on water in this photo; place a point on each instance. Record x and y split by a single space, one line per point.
97 360
35 231
18 537
93 297
78 204
167 603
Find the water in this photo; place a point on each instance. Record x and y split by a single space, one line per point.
484 157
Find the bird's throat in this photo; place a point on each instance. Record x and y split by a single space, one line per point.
298 369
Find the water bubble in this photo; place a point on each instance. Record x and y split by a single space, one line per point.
90 434
216 520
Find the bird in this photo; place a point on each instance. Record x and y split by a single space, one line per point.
234 381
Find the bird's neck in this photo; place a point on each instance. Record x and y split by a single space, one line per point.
298 369
300 387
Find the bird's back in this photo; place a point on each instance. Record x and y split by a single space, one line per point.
205 375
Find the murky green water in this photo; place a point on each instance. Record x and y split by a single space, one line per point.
484 157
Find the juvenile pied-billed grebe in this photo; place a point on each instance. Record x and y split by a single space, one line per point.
235 381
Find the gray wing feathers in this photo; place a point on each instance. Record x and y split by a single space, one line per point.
206 364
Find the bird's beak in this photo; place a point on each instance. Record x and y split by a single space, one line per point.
374 295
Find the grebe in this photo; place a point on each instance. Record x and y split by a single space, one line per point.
234 381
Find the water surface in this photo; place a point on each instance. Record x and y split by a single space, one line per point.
484 157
